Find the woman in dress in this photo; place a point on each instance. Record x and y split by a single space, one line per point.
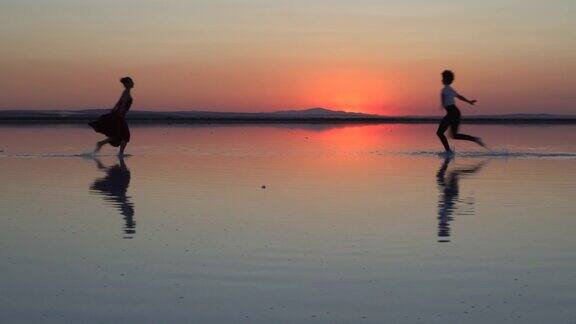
113 124
453 115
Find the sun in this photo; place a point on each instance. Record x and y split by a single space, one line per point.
354 91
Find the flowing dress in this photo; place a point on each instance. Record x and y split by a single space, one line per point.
114 125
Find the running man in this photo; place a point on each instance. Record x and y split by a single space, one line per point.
453 115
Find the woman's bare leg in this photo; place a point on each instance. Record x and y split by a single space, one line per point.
100 144
122 148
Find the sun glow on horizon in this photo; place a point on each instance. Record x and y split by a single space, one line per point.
349 90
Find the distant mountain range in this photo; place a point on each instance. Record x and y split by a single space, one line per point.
312 115
190 114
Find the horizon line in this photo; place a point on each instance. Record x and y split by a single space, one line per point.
283 110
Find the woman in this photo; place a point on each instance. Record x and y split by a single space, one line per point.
113 124
452 118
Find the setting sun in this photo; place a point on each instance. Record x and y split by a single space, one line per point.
350 90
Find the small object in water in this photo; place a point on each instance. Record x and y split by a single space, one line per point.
263 187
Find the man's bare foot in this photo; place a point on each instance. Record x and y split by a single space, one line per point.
480 142
448 153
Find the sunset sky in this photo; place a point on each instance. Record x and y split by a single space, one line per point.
374 56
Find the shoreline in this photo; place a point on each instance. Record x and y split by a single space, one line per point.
306 116
293 120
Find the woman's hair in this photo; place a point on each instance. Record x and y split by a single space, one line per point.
127 81
447 76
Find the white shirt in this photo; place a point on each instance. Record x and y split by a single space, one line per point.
447 96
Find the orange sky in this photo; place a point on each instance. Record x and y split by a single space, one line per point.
255 55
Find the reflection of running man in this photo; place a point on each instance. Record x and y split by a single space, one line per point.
113 188
449 191
452 118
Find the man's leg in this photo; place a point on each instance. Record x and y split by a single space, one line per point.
463 137
442 127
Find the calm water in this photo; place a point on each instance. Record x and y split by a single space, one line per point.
294 224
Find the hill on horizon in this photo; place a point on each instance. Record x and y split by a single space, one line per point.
308 112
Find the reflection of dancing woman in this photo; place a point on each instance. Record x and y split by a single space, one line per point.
453 115
113 124
114 187
448 184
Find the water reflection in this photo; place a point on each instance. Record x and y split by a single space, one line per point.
449 192
113 188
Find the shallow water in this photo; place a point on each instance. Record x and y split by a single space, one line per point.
288 224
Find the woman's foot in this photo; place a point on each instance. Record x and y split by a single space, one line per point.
99 146
122 148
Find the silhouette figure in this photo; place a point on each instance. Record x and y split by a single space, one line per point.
453 115
113 124
448 186
113 188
